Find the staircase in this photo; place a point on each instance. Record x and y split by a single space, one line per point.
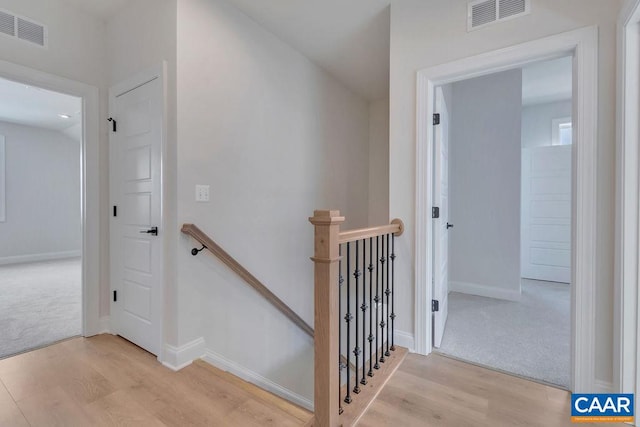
354 314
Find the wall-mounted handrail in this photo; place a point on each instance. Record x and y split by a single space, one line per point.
208 243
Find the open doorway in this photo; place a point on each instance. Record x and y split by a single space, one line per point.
41 217
502 252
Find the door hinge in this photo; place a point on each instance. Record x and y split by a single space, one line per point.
435 305
115 296
436 119
113 123
435 212
115 211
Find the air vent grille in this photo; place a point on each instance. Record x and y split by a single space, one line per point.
22 28
7 24
481 13
30 31
512 7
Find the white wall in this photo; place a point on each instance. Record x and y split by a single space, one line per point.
141 36
42 195
484 185
275 137
379 162
536 122
425 34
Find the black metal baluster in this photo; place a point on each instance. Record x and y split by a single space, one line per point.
382 322
393 311
340 364
377 297
356 350
387 292
348 318
370 373
363 308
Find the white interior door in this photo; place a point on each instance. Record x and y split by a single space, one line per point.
136 184
546 213
441 225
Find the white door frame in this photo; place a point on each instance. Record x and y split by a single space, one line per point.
582 44
156 72
90 181
626 303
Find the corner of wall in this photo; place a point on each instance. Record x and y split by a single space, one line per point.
176 358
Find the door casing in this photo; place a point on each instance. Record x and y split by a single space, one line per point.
626 301
92 323
582 45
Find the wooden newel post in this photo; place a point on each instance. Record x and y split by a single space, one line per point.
326 294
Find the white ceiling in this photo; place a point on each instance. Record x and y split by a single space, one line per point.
32 106
548 81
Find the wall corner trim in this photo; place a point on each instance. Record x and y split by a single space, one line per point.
176 358
234 368
484 291
49 256
406 340
605 387
104 325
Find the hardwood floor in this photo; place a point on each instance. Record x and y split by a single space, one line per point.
439 391
107 381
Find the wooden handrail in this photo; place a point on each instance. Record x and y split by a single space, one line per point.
396 228
200 236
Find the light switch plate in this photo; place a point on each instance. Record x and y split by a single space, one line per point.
202 193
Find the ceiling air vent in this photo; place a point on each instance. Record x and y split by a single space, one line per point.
7 24
31 32
22 28
484 12
511 8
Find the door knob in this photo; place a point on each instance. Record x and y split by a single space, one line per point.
449 226
152 230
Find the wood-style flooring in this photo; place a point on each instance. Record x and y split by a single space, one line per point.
439 391
107 381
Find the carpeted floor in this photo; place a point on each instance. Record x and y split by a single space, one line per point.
530 338
40 303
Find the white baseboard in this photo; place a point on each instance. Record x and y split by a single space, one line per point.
604 387
105 325
176 358
225 364
50 256
484 291
405 339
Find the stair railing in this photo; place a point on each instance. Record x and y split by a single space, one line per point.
354 316
209 244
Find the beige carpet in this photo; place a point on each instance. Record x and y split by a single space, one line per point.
40 303
530 338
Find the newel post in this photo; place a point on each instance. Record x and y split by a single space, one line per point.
326 294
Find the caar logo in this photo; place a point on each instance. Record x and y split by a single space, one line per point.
602 408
